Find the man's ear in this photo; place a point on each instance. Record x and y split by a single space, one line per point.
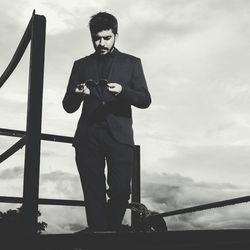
116 37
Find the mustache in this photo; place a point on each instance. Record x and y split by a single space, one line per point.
102 48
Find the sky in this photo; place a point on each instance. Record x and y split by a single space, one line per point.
195 136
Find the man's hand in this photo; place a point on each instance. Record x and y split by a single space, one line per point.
82 88
114 88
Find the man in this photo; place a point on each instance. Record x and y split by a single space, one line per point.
107 83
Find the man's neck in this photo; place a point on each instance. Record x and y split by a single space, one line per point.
110 53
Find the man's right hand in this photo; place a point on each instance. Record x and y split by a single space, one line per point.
82 88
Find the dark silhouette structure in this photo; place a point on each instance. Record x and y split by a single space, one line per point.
34 33
11 222
145 219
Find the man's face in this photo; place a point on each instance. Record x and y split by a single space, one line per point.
104 41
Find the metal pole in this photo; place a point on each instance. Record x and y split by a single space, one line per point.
136 180
33 126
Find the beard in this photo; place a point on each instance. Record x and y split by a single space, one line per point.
102 50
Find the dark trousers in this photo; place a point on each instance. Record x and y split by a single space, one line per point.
98 147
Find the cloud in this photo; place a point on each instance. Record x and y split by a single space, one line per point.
13 173
60 14
60 184
56 184
13 104
63 219
167 192
160 192
6 24
176 191
11 183
218 163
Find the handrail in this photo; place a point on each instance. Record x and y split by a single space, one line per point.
44 201
45 137
18 54
198 208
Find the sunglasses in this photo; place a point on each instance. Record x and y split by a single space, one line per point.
92 83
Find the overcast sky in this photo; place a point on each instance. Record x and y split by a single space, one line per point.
195 137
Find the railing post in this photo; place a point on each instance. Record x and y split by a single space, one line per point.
33 125
136 180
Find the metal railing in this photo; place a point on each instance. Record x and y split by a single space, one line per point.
207 206
135 187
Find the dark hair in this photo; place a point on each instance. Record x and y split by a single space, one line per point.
103 21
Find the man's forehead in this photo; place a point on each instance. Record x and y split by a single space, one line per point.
104 33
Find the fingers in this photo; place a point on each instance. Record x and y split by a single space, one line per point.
112 85
79 88
82 88
114 88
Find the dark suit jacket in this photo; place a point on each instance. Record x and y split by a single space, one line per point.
125 70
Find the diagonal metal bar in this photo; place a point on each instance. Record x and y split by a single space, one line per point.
59 202
45 137
75 203
13 149
56 138
8 199
12 132
205 206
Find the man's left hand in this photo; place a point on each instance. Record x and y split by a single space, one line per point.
114 88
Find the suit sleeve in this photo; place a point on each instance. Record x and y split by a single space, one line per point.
138 94
72 101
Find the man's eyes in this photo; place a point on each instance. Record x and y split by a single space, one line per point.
106 38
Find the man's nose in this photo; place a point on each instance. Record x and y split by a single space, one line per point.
101 41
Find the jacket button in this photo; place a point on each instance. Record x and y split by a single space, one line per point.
103 102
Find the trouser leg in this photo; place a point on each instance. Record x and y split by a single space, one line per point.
119 161
90 164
